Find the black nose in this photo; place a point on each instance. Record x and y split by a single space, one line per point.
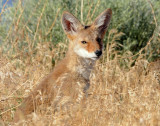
98 53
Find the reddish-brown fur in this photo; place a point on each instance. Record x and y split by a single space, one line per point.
70 78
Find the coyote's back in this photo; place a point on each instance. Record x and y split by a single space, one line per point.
70 78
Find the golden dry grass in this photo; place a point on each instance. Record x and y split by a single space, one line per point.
117 96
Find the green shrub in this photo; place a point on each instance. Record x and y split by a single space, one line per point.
40 21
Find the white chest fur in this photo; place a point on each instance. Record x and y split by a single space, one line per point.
85 66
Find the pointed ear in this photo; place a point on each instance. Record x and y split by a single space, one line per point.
101 23
70 23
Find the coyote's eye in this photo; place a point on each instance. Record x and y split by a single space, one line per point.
83 42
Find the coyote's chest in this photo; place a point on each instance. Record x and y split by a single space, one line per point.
84 68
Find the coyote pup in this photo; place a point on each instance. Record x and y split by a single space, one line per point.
70 78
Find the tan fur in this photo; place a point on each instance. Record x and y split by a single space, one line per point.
70 78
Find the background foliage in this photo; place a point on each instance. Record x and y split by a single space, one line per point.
40 21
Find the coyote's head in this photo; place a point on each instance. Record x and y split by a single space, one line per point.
86 41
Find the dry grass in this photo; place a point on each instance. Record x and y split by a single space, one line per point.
118 96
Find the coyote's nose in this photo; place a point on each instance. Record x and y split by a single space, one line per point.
98 53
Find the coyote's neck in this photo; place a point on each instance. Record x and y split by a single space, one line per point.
81 66
84 67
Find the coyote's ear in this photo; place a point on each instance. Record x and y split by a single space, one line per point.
102 21
70 23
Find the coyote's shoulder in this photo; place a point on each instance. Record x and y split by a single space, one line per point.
70 78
